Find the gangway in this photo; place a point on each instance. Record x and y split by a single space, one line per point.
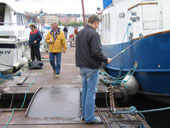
49 102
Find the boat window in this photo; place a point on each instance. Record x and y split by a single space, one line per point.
108 23
25 21
105 23
150 18
19 19
2 13
103 20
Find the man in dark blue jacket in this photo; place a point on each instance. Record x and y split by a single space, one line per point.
34 43
89 58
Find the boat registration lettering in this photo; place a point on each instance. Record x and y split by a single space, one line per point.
5 52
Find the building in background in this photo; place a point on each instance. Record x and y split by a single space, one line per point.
46 19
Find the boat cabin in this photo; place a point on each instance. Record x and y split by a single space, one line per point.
9 17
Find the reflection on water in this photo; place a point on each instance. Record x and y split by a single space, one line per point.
156 119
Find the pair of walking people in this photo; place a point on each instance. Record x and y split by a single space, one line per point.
56 41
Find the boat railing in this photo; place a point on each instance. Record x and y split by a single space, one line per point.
13 24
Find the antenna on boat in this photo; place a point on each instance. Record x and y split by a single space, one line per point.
82 1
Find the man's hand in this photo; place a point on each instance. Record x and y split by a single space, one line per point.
51 41
64 51
35 42
109 60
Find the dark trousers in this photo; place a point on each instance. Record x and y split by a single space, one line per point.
35 52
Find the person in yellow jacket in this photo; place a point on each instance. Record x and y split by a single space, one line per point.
57 44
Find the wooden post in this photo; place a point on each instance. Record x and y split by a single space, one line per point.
82 1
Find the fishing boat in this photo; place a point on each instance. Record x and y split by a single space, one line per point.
138 31
14 36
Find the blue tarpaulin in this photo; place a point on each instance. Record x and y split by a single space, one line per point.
106 3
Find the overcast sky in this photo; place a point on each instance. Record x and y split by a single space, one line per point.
60 6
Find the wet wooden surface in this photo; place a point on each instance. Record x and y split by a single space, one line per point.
44 78
19 120
69 78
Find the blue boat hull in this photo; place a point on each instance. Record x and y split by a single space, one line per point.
151 54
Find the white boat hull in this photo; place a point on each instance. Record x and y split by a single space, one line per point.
13 55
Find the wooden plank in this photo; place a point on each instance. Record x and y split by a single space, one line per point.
12 83
56 126
31 80
20 121
21 81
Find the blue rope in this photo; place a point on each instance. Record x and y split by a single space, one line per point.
13 110
126 34
27 92
9 76
140 125
132 110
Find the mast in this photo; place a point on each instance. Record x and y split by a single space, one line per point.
82 1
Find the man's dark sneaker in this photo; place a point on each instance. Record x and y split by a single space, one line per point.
96 121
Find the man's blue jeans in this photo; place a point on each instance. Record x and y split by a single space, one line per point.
56 67
89 89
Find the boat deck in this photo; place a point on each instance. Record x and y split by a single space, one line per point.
56 101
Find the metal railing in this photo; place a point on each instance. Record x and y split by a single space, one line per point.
13 24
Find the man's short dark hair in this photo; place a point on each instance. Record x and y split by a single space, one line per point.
33 25
93 18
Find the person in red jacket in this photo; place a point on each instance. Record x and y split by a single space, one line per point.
34 43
